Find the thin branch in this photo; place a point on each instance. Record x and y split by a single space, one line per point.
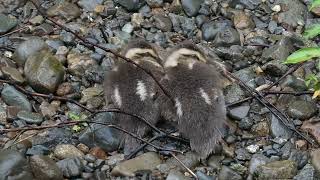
71 123
282 117
17 30
188 169
288 92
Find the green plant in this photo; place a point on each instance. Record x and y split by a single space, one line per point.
314 4
76 117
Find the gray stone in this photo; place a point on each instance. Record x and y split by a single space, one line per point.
28 48
294 14
30 117
13 74
243 154
307 173
239 112
256 161
228 174
285 169
63 151
13 97
211 29
155 3
300 157
163 23
233 93
64 9
89 5
71 167
7 23
38 150
14 166
302 109
131 5
99 135
52 137
44 72
147 161
45 168
176 175
191 7
275 68
227 37
279 51
278 129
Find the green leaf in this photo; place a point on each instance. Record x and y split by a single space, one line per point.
73 116
302 55
315 3
312 32
76 128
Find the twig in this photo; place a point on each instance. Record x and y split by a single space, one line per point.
86 42
17 30
188 169
288 92
282 117
71 123
291 70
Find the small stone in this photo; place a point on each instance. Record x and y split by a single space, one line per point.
300 157
137 19
308 172
99 135
233 93
63 151
7 23
285 169
239 112
302 109
276 8
191 7
227 38
296 13
301 144
98 153
44 72
37 20
278 130
176 175
147 161
12 97
212 28
71 167
155 3
313 128
48 110
12 112
228 174
128 28
242 20
64 9
115 159
256 161
38 150
13 74
83 148
261 129
131 5
163 23
64 89
30 117
253 148
44 168
90 5
242 154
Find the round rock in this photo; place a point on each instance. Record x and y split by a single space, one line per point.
45 168
7 23
13 97
191 7
63 151
44 72
30 117
302 109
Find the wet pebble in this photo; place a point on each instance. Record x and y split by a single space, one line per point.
285 169
278 129
30 117
308 172
131 5
163 23
211 29
191 7
7 23
145 161
99 135
13 97
44 72
44 168
64 9
13 74
302 109
71 167
239 112
63 151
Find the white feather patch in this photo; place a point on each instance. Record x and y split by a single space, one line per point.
141 90
172 60
205 96
117 96
190 65
178 105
